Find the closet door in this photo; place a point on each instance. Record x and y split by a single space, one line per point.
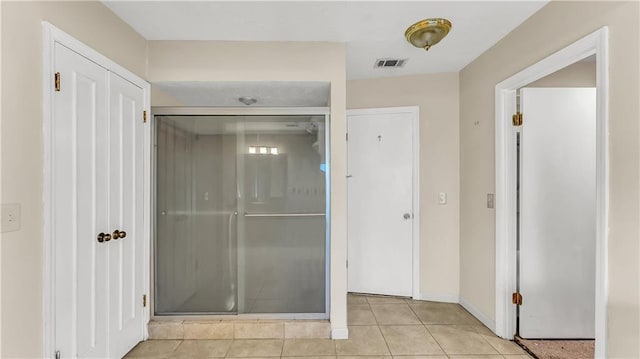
79 191
125 172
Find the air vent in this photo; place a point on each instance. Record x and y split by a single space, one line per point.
388 63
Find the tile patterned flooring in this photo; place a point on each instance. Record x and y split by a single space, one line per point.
379 328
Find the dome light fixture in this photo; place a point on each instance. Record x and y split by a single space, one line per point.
247 100
427 33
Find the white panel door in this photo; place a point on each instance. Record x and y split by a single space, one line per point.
79 189
558 213
380 202
125 172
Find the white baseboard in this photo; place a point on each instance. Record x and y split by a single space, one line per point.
340 333
433 297
491 324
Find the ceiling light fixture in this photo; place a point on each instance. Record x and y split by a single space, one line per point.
427 33
247 100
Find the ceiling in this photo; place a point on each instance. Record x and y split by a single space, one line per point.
371 30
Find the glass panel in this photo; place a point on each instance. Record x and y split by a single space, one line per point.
240 221
283 202
195 237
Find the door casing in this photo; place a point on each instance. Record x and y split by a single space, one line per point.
414 111
595 43
50 36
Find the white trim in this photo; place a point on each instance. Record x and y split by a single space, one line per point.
435 297
48 310
339 333
147 210
415 112
50 36
594 43
479 315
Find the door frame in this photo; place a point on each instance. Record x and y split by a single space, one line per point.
50 36
595 43
414 111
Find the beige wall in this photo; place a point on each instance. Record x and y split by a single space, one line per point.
275 61
163 98
22 161
580 74
437 96
555 26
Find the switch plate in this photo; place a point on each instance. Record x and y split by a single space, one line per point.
490 200
442 198
10 215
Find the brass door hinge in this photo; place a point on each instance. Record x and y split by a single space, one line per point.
57 81
516 298
517 119
144 116
144 300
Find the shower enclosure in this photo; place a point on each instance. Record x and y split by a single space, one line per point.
241 211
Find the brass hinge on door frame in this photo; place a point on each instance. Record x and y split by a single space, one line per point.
144 116
56 81
516 298
517 119
144 300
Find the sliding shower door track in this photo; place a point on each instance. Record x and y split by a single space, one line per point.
244 316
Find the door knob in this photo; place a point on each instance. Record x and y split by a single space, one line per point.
406 216
118 234
100 237
107 237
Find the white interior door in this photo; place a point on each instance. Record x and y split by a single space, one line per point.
380 202
126 141
558 213
79 144
97 188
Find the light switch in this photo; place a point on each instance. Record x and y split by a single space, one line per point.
442 198
10 217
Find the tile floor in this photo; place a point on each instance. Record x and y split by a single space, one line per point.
379 327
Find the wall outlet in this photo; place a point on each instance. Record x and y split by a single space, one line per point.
490 200
442 198
10 215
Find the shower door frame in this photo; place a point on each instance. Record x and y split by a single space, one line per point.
241 111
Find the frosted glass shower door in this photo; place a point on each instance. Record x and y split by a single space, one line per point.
240 214
282 204
195 241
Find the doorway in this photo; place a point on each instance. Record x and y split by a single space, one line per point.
241 219
383 213
507 225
